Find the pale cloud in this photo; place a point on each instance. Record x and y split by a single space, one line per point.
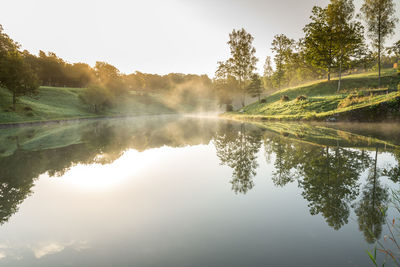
47 250
15 251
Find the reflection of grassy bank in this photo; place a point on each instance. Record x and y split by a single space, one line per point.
323 135
357 101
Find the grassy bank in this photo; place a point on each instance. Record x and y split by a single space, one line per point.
359 98
59 103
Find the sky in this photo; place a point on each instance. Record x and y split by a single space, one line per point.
154 36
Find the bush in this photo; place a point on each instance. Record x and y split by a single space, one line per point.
29 114
301 98
28 109
352 99
284 98
229 107
263 101
398 87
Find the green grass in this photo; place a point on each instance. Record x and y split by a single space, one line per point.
323 100
58 103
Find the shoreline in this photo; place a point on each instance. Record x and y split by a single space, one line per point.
75 119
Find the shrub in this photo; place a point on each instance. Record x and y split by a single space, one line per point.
351 99
284 98
29 114
265 100
28 109
301 98
398 87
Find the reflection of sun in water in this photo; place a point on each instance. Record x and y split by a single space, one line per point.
100 177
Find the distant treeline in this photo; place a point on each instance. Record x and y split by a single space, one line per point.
52 70
22 73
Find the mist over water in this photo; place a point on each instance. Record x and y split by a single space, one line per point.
194 191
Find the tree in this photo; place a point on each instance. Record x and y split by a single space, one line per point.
242 62
97 96
282 46
381 20
109 76
395 50
255 87
17 76
348 34
225 85
268 73
319 41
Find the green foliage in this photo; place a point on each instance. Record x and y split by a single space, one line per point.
319 40
15 74
97 96
352 99
255 87
380 17
241 65
282 46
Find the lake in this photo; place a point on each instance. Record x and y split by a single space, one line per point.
195 191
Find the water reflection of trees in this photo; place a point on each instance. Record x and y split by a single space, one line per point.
237 147
328 175
330 181
374 200
27 153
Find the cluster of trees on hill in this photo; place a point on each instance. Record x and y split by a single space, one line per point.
333 42
22 73
15 73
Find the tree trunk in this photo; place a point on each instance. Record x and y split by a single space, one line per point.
243 92
329 73
340 74
379 50
14 100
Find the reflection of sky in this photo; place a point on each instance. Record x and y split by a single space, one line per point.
171 207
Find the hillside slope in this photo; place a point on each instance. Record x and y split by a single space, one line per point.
360 98
59 103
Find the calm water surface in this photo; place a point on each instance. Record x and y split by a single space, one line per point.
184 191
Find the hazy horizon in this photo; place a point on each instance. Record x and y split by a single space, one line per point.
173 36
